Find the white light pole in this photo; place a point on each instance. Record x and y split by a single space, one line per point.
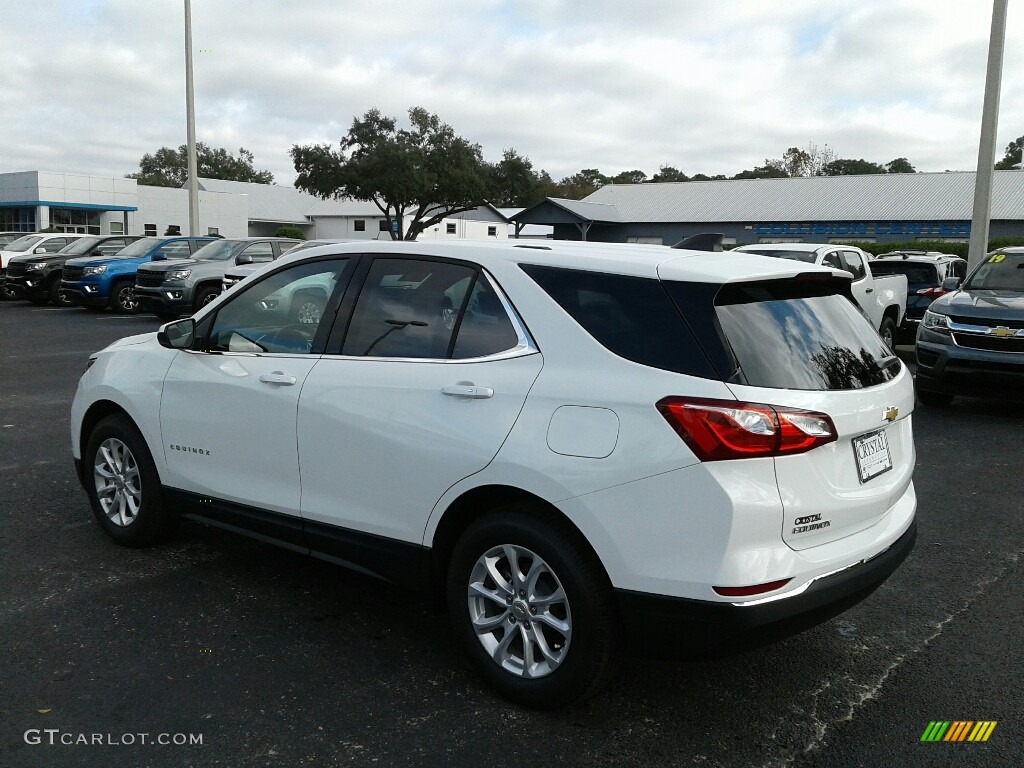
190 111
987 146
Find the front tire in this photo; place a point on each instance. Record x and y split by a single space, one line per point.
122 299
533 608
204 297
58 297
123 485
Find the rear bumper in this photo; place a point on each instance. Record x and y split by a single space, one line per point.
678 626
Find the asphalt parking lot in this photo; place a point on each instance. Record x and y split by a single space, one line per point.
276 660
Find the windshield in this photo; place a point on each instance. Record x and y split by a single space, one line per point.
219 250
1000 272
139 247
80 246
24 243
805 256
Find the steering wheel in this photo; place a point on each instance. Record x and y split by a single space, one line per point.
292 338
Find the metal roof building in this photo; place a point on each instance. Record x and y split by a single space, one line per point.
880 208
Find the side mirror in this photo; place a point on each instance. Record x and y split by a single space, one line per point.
950 284
97 253
40 249
243 258
177 335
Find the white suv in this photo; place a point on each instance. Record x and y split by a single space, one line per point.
578 445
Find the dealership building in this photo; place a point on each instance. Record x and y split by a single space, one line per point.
874 208
101 205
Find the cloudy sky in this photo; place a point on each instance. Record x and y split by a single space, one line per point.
710 86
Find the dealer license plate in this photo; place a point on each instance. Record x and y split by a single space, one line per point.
872 452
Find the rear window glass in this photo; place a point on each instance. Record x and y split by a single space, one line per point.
789 334
632 317
917 274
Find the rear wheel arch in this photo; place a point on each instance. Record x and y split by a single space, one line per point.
474 504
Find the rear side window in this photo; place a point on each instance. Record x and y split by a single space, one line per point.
630 316
793 334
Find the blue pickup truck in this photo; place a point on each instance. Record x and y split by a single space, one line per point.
110 281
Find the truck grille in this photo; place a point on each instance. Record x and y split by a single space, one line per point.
149 279
71 273
15 269
990 343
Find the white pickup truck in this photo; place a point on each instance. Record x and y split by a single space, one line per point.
883 299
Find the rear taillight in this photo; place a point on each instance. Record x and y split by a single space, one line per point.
933 292
716 430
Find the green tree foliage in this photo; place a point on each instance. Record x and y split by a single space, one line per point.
629 177
899 165
772 169
423 173
293 232
669 173
1012 159
844 167
581 184
515 184
168 167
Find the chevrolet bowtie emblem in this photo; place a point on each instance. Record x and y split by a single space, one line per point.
1002 331
891 413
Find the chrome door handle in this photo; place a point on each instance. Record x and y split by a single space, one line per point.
277 377
470 391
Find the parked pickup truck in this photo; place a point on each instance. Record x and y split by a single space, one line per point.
175 287
37 278
971 340
110 281
882 299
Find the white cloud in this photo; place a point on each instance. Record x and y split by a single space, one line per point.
706 87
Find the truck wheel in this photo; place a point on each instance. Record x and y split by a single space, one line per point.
58 297
888 333
205 296
533 608
123 485
122 298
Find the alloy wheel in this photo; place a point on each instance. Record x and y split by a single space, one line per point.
118 482
519 611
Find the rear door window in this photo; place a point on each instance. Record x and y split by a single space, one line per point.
408 308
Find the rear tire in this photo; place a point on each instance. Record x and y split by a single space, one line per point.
123 485
122 298
533 608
